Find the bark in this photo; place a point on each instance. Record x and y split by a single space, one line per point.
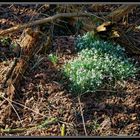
31 43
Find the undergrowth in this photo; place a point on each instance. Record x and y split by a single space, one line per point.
98 64
53 58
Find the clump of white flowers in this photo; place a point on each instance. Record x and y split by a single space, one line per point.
97 63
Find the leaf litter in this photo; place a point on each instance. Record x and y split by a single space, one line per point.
44 98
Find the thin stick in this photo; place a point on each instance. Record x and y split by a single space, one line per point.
28 108
14 109
83 120
40 126
23 106
2 102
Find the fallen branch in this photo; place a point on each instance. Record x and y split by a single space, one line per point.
115 16
28 45
50 19
45 124
127 37
119 13
31 42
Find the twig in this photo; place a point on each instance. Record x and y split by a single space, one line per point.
23 106
14 109
2 102
17 130
13 130
83 120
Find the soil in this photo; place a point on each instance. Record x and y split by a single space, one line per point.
44 94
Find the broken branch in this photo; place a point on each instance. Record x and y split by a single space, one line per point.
123 10
45 20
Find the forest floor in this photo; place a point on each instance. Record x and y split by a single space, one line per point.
43 97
